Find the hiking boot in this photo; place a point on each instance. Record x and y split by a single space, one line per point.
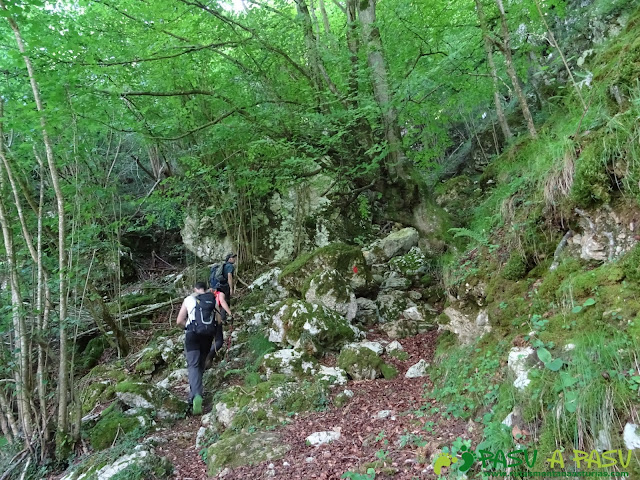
197 405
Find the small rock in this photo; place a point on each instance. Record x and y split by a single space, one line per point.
286 464
417 370
224 473
320 438
309 459
375 347
394 346
518 364
383 414
631 438
348 393
568 347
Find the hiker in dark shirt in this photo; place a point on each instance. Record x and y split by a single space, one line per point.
226 284
222 318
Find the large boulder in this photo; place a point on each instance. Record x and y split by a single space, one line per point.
153 397
113 422
243 449
362 360
396 243
288 362
329 288
348 261
309 327
367 313
267 287
411 264
464 326
205 237
139 464
391 304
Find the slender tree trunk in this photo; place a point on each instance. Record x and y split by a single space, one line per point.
325 17
511 71
352 43
488 48
23 373
63 370
7 413
381 88
43 304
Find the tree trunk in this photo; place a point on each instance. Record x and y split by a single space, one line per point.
511 71
101 316
23 373
381 89
325 18
63 369
7 414
309 43
502 120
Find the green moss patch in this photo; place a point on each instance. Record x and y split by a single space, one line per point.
112 423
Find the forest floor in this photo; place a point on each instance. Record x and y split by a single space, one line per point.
390 425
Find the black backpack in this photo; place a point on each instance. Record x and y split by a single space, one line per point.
217 275
204 321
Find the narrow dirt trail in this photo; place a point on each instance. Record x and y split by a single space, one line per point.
366 434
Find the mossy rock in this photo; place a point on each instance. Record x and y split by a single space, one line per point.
391 304
288 362
360 362
630 264
151 358
309 327
330 289
388 371
112 423
93 351
515 268
144 395
410 264
93 393
236 449
347 260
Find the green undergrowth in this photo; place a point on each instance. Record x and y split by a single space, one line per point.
581 319
467 380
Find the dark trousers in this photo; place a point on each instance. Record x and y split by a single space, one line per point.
219 337
196 349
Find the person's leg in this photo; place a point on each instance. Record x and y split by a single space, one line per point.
192 352
226 289
216 345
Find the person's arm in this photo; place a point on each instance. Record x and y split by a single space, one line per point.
230 281
182 315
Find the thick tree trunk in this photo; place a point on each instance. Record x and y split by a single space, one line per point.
488 48
63 370
396 160
511 71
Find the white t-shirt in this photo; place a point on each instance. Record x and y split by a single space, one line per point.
190 303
